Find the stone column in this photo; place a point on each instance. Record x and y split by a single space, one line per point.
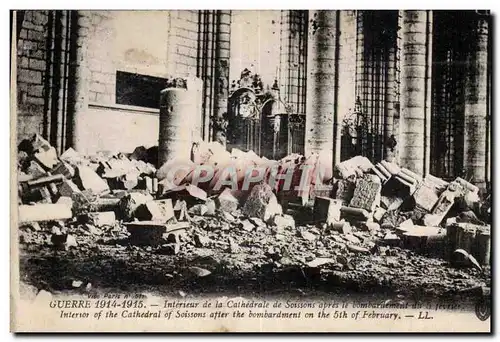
321 82
476 103
78 73
221 84
415 74
346 85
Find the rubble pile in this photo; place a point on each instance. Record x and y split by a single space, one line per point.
294 211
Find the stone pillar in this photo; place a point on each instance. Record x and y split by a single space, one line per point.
221 81
346 84
322 83
476 102
415 75
78 74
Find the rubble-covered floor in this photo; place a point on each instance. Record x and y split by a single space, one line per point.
256 263
117 222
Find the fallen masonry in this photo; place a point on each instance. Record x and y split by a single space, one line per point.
360 209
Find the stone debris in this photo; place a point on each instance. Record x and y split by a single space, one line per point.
225 201
131 202
101 219
366 195
262 203
361 212
327 210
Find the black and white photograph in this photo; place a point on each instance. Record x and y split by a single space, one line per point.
251 170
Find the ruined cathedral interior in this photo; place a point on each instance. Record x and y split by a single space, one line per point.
406 92
410 85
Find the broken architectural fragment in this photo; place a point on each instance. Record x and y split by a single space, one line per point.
225 201
446 200
474 239
129 204
327 210
87 179
262 203
345 191
366 195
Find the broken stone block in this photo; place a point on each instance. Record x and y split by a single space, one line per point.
174 238
366 195
307 235
187 192
129 180
355 166
145 183
446 200
432 220
354 213
262 203
129 204
324 190
169 249
391 239
44 212
201 240
102 219
198 272
283 222
35 170
392 168
70 242
93 230
211 207
198 209
233 246
382 171
47 158
150 211
345 191
166 208
89 180
147 232
471 238
22 159
45 181
139 153
63 241
378 214
405 226
68 188
390 203
63 168
343 227
70 155
382 177
327 210
483 247
226 201
247 225
426 240
425 197
371 227
410 176
358 249
467 185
